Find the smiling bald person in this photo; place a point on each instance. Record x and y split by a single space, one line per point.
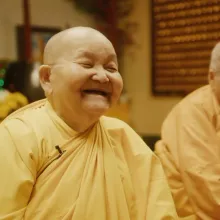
62 159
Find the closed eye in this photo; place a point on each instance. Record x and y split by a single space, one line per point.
86 65
111 69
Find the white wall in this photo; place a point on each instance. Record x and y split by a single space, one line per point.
148 112
52 13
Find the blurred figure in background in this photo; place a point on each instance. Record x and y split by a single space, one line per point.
190 149
22 77
9 102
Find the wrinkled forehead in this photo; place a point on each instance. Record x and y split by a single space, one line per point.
91 49
82 45
94 42
93 52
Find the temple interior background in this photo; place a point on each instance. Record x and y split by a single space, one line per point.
163 47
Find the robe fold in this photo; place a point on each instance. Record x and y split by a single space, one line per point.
49 171
191 139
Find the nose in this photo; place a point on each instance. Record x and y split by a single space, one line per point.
100 76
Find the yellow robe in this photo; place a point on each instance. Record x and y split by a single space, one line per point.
191 155
105 173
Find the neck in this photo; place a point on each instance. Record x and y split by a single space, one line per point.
82 123
78 121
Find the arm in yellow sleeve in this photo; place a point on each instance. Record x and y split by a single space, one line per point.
160 204
17 162
199 158
153 195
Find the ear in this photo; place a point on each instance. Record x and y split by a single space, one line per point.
211 75
44 76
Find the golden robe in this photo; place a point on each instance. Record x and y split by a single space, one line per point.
49 171
190 154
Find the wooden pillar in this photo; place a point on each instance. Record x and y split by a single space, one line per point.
111 28
27 30
113 21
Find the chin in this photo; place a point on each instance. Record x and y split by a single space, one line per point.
96 110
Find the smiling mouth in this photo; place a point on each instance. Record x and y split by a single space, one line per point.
96 92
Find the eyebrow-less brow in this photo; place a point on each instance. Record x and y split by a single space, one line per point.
91 55
85 54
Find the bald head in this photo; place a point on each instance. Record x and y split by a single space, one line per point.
215 59
68 40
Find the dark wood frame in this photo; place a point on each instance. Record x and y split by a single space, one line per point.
34 29
207 47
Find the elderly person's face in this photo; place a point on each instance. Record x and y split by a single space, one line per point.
84 77
214 71
214 80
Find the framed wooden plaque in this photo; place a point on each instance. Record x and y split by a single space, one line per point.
183 35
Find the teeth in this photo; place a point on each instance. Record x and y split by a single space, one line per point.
95 92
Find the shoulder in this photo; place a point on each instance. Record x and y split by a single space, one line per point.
114 124
200 96
28 113
197 107
196 98
18 130
199 101
22 122
18 138
195 112
124 135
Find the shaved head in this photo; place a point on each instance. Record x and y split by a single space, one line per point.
215 59
66 41
80 76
